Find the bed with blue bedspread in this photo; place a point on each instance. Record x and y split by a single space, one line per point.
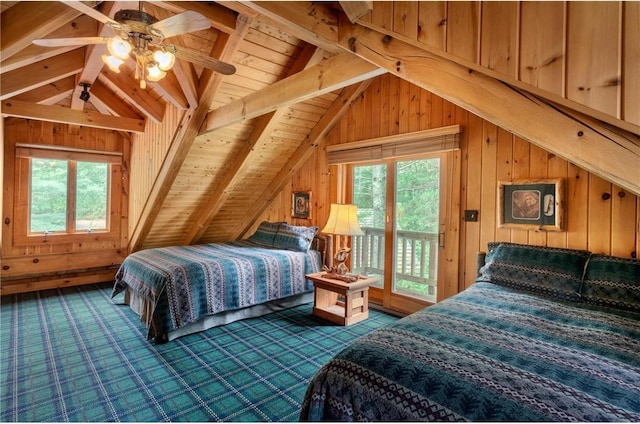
544 334
178 290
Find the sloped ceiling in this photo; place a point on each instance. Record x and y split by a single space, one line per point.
298 67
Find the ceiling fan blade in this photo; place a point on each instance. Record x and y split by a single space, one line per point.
181 23
73 41
206 61
81 7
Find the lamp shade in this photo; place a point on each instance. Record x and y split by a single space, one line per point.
343 221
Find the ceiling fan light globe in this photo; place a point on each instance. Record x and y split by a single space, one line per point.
112 62
119 48
154 73
164 59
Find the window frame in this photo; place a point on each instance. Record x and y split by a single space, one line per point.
24 154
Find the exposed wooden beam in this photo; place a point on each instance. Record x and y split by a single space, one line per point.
224 49
27 21
314 22
139 98
314 140
83 26
51 93
332 74
41 73
63 115
611 155
203 216
105 100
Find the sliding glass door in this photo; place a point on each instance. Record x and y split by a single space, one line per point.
399 205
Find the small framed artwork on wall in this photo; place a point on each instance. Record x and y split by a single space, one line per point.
301 204
531 204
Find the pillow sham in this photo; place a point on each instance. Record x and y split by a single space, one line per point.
296 238
613 282
265 234
548 271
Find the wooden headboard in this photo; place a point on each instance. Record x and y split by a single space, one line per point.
480 257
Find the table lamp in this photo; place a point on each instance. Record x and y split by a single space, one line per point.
343 221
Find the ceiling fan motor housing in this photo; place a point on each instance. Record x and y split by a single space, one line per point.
136 21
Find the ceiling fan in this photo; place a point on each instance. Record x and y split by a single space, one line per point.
142 36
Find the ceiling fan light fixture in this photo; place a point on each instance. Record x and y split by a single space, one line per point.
154 73
164 59
119 48
112 62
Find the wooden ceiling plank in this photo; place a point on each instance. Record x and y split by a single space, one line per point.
63 115
217 196
83 26
314 140
332 74
590 145
224 49
27 21
140 99
41 73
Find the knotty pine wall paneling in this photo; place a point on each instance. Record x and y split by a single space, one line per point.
54 263
488 154
539 44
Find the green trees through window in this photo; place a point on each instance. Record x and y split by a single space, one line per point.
60 187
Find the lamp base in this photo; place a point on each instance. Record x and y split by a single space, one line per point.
340 271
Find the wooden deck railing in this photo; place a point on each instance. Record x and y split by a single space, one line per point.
416 256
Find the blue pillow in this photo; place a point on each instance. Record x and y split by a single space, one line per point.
296 238
265 233
613 282
548 271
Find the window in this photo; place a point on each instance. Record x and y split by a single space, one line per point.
66 193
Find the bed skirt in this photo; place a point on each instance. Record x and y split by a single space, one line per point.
144 309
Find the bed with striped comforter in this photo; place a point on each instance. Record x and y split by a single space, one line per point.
504 349
183 284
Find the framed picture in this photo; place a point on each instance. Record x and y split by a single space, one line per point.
301 204
531 204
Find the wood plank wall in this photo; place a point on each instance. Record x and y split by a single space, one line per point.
148 151
51 264
541 44
600 216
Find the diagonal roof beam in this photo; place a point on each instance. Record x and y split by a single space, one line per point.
83 26
612 155
224 49
27 20
332 74
218 195
41 73
314 140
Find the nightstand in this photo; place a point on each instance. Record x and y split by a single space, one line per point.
340 302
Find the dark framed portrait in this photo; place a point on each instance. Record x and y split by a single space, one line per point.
531 204
301 204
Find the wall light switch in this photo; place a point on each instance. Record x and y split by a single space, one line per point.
471 215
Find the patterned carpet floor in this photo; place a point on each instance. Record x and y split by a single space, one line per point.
75 355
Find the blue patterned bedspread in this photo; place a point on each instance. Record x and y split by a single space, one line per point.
490 353
186 283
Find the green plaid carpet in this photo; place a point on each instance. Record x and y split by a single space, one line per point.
74 355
